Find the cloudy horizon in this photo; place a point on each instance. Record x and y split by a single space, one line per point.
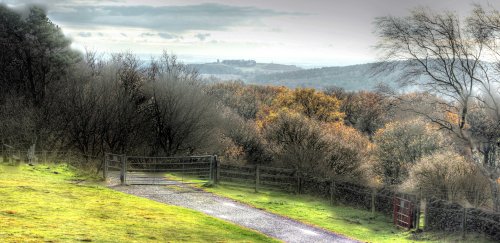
305 33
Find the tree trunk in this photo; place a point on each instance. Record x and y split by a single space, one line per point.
486 170
495 191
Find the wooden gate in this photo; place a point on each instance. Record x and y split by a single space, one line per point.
403 212
141 170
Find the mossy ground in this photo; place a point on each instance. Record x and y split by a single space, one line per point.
54 203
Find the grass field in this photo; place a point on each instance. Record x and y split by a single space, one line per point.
48 203
352 222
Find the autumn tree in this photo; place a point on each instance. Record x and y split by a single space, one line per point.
400 144
311 103
449 176
247 136
308 102
347 154
232 94
366 111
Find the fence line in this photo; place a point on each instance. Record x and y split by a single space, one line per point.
374 199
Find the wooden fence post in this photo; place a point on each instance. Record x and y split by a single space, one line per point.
211 170
257 178
374 194
297 175
332 192
217 170
105 167
4 154
419 209
426 214
464 223
123 171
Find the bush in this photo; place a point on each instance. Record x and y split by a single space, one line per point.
449 176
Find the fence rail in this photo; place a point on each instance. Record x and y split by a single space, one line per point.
259 177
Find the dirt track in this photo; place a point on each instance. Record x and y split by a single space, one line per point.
267 223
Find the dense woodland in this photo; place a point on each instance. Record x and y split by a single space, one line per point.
443 139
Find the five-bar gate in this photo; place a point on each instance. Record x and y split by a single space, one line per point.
142 170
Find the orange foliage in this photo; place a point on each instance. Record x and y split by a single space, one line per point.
307 101
452 118
348 136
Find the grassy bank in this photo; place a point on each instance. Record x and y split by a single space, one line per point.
48 203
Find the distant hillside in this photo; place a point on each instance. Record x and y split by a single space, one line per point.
246 69
239 69
354 77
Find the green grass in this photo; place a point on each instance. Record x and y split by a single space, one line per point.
49 203
348 221
185 178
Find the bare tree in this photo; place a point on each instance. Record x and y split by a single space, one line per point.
297 141
123 102
79 106
450 58
184 118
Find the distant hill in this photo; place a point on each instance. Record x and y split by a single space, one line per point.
245 69
354 77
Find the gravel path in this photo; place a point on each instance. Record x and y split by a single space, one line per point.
267 223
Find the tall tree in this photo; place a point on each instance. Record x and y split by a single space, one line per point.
34 53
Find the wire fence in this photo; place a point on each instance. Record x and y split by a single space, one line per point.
428 213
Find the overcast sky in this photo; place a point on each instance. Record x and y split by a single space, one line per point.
304 32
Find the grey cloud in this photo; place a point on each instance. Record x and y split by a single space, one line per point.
167 36
160 34
123 34
171 19
85 34
147 34
202 36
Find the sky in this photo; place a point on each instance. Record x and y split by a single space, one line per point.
302 32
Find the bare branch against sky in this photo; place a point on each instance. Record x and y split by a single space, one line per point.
320 32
